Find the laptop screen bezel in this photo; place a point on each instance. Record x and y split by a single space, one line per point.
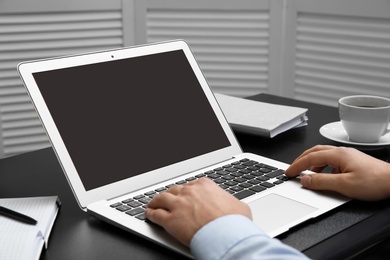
83 196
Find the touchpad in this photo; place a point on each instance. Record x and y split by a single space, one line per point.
273 211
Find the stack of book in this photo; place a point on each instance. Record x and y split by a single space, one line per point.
260 118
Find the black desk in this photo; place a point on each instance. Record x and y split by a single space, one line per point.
341 233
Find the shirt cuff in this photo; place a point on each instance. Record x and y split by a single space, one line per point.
217 237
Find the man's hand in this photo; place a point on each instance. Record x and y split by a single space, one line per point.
355 174
183 210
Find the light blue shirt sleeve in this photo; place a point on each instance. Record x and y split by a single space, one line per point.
237 237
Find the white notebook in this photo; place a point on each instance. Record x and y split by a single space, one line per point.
260 118
24 241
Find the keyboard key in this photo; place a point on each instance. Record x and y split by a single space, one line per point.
219 181
249 163
248 176
134 204
213 176
245 185
253 168
269 167
264 170
275 173
243 194
115 205
141 216
236 188
263 178
257 173
231 183
135 211
138 197
222 172
254 182
236 174
257 188
150 193
144 200
267 184
240 180
283 178
231 169
127 201
123 208
228 177
223 186
161 189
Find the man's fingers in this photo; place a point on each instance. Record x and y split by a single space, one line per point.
316 148
313 160
327 181
165 200
174 189
160 207
158 216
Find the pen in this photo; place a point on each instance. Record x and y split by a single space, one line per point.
17 216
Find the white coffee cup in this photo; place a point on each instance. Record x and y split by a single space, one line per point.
365 118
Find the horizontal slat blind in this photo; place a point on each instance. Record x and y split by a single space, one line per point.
28 36
341 55
231 46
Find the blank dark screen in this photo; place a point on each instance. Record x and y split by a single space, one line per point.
126 117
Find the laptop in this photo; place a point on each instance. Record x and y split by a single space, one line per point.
129 123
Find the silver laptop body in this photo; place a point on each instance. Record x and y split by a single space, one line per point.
127 122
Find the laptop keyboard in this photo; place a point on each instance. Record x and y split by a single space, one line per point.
242 178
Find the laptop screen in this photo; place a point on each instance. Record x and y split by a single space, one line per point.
125 117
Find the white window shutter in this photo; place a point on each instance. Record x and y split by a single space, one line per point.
341 48
229 39
54 30
311 50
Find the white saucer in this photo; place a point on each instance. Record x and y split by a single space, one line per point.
336 132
